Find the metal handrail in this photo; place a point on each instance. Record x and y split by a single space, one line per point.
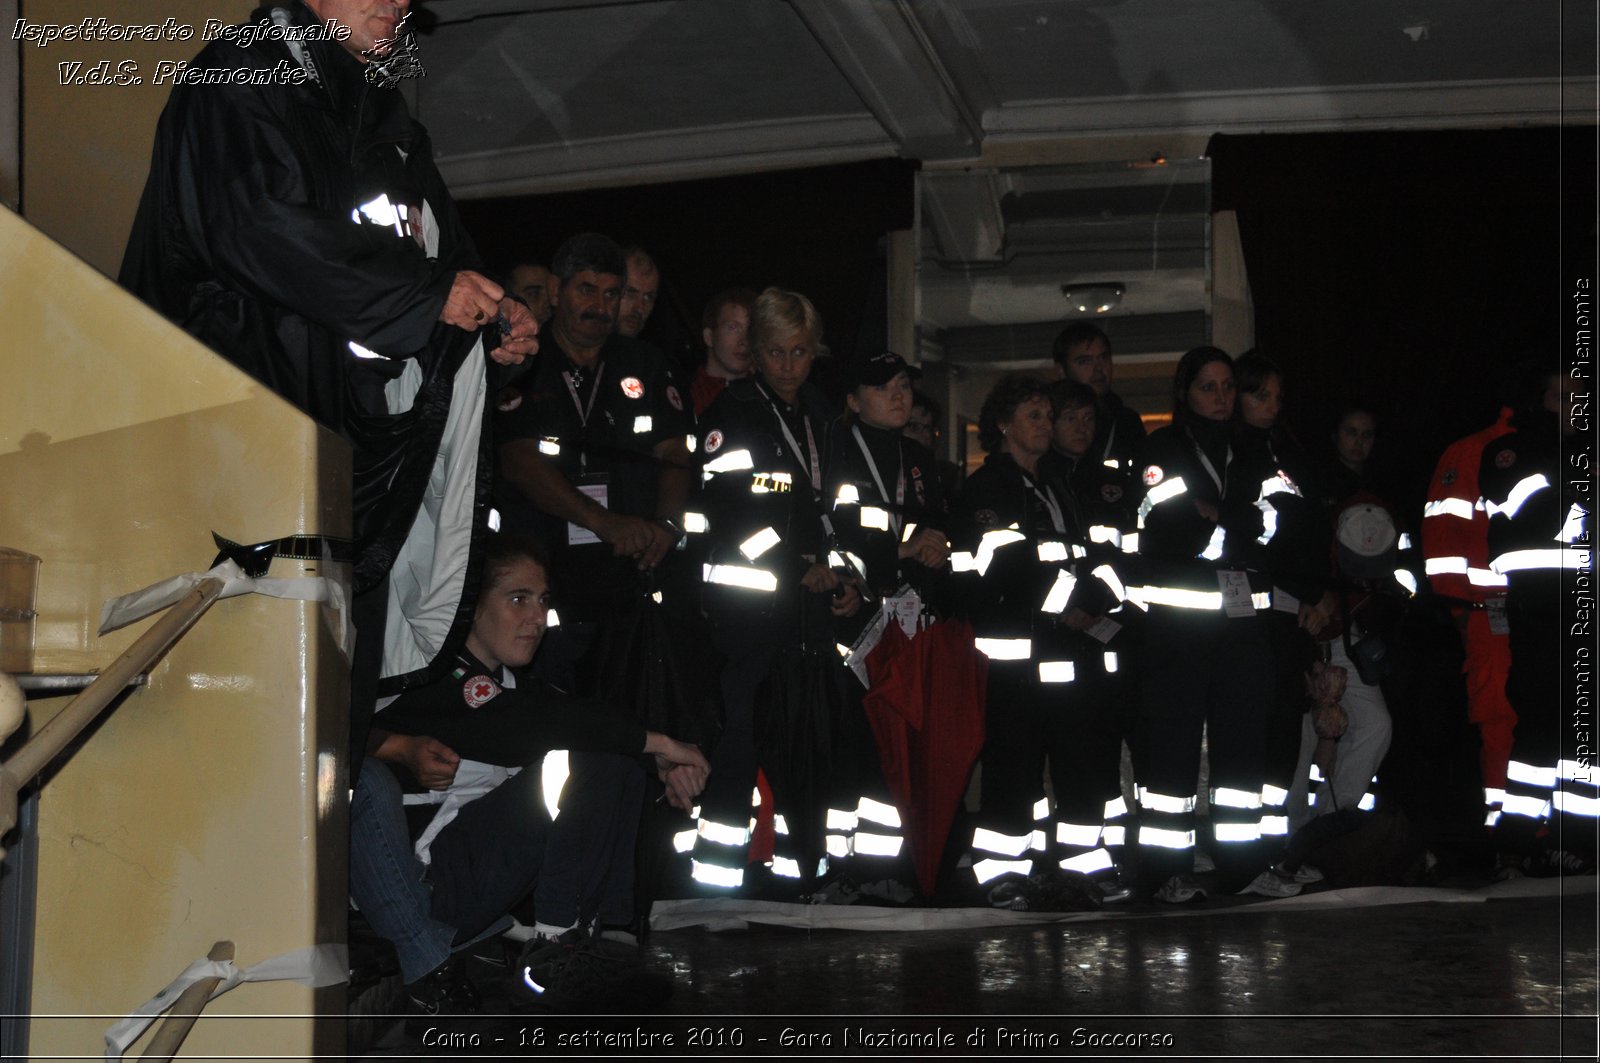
168 1038
57 734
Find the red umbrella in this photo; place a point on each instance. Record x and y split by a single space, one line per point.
925 706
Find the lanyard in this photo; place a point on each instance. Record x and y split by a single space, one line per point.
1048 498
896 520
1211 470
572 389
794 444
1111 437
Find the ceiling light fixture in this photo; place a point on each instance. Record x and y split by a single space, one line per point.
1100 297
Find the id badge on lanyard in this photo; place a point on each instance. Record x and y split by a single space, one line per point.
584 411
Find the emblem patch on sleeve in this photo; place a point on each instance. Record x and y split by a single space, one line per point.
479 690
632 387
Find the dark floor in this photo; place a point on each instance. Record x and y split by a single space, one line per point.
1480 973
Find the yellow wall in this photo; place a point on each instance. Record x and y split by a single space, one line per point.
86 148
211 805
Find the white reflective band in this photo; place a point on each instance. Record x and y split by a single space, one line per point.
1405 540
1315 774
1575 804
694 813
1115 835
755 579
1079 551
759 543
1483 577
962 561
1164 802
837 846
844 651
847 496
835 559
1115 807
380 212
877 812
1278 484
1447 507
552 619
873 517
1492 818
1525 489
1311 799
1572 529
1107 575
692 442
910 530
1081 835
1056 672
733 461
1088 863
724 833
1056 601
854 562
992 541
643 423
1130 543
1273 795
1269 524
755 797
1038 841
1176 597
785 866
867 844
991 841
1261 599
1552 557
1111 660
363 352
549 446
780 826
683 841
1213 550
1438 566
1166 839
715 875
1041 809
1228 797
494 519
552 777
839 819
1518 805
1005 649
986 871
1406 580
1271 826
1104 533
1493 795
696 523
1576 770
1236 832
1544 778
1052 551
1367 803
1163 491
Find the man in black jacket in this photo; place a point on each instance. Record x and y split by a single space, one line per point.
1083 352
294 221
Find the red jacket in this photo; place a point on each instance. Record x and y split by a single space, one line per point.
1455 528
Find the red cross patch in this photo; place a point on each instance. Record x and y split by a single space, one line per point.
632 387
1152 475
1110 492
674 398
1504 459
713 440
478 690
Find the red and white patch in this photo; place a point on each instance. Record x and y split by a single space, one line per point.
674 398
632 387
714 441
1153 475
478 690
1504 459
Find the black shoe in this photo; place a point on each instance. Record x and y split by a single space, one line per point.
443 991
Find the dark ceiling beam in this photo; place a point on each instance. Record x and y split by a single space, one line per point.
885 54
1130 334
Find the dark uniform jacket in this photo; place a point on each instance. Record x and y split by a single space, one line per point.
598 426
914 497
1295 555
470 711
1538 523
1118 432
775 491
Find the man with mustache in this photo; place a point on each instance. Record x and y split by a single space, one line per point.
594 458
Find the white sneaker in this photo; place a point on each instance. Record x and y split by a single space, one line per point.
1271 884
1305 874
1180 889
1203 863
